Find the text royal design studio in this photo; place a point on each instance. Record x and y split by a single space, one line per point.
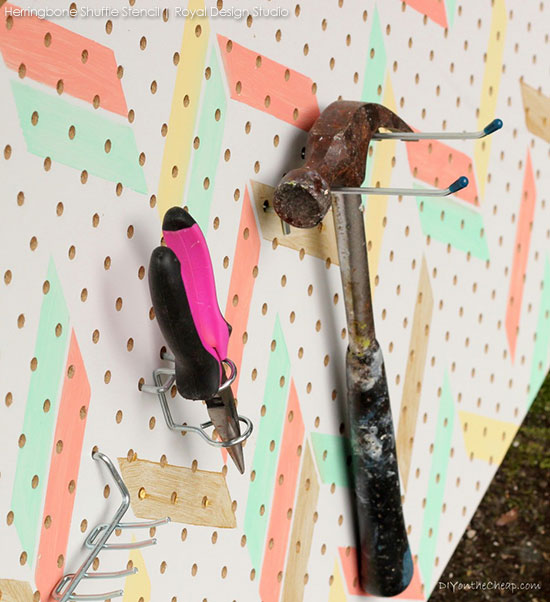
155 12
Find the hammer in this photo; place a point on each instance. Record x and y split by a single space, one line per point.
336 153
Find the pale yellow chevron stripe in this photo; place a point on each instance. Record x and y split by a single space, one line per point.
185 103
377 205
489 90
485 438
137 586
337 592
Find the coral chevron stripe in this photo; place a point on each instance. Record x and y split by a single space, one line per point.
64 466
439 164
23 41
433 9
276 542
268 86
520 255
245 259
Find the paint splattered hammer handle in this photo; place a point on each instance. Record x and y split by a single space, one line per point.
385 559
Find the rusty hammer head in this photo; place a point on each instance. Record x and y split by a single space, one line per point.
336 155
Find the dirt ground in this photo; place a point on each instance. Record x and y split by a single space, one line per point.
508 539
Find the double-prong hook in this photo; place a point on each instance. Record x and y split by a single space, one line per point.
97 541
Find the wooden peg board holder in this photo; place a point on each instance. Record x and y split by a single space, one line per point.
110 120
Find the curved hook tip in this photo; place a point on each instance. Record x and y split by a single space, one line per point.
459 184
495 125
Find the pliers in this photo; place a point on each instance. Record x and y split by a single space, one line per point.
183 291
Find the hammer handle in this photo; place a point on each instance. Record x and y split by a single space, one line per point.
385 558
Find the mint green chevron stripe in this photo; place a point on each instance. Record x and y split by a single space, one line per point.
331 454
375 68
451 223
38 425
436 483
539 362
86 151
264 464
450 6
375 71
207 156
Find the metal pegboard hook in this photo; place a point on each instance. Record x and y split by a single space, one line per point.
457 185
160 389
489 129
97 541
91 540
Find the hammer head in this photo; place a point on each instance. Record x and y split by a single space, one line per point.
302 198
336 154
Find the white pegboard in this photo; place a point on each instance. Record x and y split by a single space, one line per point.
100 237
